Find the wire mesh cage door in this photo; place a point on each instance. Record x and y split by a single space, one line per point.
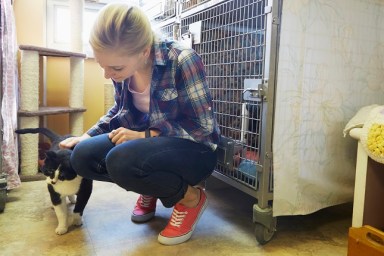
232 49
235 43
233 39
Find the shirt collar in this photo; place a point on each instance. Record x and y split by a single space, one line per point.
161 50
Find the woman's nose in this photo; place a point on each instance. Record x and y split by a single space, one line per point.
107 74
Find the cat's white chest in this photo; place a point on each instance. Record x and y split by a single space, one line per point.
68 187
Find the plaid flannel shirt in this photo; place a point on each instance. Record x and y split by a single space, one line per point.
180 101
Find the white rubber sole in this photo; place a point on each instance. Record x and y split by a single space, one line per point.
142 218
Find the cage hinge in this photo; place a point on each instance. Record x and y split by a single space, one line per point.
268 155
276 21
267 10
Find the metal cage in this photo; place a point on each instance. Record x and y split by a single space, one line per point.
232 49
159 10
234 39
189 4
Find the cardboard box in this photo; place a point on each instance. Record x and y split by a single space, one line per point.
365 241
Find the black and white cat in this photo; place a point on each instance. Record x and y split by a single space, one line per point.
63 181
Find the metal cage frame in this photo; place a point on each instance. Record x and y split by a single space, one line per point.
238 43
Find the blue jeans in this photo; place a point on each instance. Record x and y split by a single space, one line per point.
162 167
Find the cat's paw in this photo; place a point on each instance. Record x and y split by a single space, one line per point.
61 230
76 219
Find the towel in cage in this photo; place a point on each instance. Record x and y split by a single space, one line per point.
248 168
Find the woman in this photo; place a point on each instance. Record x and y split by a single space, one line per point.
160 137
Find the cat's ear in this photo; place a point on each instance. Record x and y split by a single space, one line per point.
51 154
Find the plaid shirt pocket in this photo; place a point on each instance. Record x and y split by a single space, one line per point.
167 94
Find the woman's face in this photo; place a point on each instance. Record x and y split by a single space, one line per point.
117 66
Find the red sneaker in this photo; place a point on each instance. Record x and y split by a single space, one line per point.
182 223
144 209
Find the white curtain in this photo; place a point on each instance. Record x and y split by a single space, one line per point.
9 74
331 63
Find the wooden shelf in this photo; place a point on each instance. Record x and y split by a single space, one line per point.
30 111
43 51
44 111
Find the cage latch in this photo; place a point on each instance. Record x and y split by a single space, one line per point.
254 90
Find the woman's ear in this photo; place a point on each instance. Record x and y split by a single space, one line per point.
147 52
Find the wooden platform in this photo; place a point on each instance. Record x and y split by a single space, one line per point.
43 51
44 111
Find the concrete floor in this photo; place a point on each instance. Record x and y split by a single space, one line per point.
28 223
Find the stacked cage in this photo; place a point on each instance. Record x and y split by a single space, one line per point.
232 45
190 4
232 49
159 10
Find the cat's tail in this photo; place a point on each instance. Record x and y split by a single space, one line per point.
50 134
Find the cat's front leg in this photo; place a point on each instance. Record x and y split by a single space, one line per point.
62 217
60 206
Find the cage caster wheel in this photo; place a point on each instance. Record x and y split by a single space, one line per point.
265 224
263 234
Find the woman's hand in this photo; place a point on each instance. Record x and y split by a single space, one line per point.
121 135
69 143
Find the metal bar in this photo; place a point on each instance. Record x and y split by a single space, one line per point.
272 33
235 184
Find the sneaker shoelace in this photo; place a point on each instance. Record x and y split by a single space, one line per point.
145 201
177 218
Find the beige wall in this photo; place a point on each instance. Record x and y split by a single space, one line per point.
58 92
94 93
30 21
30 27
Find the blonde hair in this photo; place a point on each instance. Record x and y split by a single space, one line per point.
123 28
